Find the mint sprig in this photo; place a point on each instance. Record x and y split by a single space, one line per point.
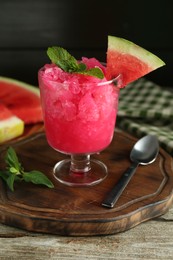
15 172
63 59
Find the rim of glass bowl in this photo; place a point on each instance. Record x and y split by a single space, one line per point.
117 81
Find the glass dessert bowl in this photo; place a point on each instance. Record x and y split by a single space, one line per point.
79 115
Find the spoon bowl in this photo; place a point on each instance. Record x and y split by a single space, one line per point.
144 152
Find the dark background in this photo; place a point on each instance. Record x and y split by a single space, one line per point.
27 28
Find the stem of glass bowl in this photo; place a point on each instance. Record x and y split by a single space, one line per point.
80 163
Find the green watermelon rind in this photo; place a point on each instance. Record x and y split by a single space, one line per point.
125 46
21 84
10 128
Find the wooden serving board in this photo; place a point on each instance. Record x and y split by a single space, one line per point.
78 211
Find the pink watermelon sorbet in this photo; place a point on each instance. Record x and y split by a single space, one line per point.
79 111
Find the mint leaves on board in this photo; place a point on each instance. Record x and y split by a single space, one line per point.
15 172
68 63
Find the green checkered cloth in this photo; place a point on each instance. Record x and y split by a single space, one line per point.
146 108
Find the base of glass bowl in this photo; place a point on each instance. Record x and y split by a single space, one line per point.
95 174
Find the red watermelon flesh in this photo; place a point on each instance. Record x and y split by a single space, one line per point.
22 99
4 112
129 60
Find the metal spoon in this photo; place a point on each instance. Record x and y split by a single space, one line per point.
144 152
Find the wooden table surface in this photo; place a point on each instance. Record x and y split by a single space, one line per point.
150 240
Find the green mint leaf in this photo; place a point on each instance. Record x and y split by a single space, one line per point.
12 160
4 175
8 178
62 59
10 181
15 172
82 66
37 177
96 72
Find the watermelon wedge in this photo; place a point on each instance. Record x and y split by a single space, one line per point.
130 60
10 125
23 100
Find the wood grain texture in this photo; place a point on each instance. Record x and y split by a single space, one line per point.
151 240
78 211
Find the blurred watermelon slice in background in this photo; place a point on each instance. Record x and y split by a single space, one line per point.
19 105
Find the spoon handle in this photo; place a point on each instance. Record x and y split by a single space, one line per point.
117 190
